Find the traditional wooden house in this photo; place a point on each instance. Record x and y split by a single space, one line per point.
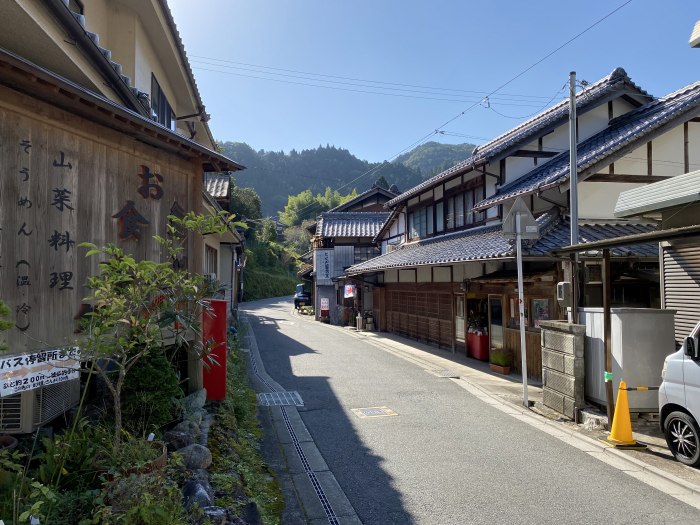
224 255
342 237
103 135
446 270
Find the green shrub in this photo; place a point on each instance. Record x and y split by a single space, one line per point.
150 395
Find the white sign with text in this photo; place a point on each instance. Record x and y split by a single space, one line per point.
22 372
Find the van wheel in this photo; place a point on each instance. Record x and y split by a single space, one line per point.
683 438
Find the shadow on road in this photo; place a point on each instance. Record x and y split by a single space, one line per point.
368 487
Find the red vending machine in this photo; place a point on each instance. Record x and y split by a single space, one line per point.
214 330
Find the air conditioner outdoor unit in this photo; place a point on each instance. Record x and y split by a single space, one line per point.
23 413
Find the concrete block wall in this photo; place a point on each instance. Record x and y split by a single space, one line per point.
563 367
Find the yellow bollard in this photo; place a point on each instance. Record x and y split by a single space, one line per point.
621 432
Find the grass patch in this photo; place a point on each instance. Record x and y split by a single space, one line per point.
238 472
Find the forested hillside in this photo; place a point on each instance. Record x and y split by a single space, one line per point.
276 175
432 157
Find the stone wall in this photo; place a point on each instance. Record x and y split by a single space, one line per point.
563 370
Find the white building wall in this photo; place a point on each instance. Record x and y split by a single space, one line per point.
425 275
591 122
694 150
634 163
596 200
667 153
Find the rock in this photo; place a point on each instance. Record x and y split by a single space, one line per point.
251 514
195 456
189 427
194 416
216 515
195 401
195 494
177 439
200 475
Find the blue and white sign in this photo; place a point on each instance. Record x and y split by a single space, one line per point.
323 266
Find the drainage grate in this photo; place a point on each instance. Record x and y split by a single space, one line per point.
374 412
445 373
269 399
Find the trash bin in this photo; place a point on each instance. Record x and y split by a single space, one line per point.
214 330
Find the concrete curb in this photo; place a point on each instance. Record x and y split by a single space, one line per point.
672 485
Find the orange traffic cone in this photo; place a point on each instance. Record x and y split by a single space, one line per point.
621 432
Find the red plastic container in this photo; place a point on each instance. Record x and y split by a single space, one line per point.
214 329
478 346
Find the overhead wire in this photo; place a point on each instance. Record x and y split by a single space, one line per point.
491 93
480 93
504 102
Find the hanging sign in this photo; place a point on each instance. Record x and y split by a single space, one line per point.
349 291
23 372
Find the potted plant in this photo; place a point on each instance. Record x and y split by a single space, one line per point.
500 360
477 336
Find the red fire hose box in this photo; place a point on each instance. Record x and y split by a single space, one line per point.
214 331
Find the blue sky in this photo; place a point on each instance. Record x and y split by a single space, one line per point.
459 50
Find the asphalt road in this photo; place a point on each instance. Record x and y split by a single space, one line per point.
447 457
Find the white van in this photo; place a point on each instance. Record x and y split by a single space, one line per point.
679 400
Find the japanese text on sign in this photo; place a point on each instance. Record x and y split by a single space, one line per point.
23 372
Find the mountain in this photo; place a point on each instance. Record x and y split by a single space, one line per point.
275 175
433 157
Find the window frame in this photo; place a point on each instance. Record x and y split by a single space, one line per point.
161 108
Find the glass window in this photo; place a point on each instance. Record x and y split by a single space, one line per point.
459 210
412 225
450 218
440 217
540 311
470 205
422 222
161 111
429 212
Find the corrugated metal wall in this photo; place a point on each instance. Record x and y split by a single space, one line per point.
343 257
682 287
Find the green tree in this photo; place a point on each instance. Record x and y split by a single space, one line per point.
298 239
245 203
139 306
382 183
299 207
268 231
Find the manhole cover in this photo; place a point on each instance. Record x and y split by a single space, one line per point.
270 399
374 412
445 373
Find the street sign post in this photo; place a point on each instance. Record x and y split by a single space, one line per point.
520 224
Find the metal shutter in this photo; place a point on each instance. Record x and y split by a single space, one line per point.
682 287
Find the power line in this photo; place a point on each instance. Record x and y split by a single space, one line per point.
510 81
332 87
479 93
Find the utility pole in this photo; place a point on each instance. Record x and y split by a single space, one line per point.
573 194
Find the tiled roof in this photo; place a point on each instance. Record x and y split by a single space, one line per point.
350 224
615 82
487 242
623 134
380 191
305 270
217 184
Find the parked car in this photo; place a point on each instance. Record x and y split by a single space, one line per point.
301 297
679 400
